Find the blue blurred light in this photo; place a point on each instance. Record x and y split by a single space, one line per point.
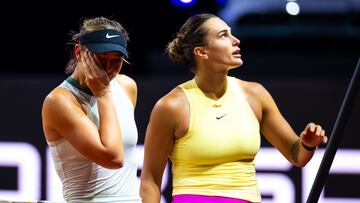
183 3
221 2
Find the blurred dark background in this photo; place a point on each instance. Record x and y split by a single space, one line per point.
320 41
35 34
305 60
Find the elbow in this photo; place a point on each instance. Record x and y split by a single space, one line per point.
114 159
113 162
116 164
149 190
300 165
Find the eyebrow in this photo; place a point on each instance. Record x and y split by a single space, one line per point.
224 31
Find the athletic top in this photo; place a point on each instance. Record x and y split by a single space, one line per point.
216 156
82 179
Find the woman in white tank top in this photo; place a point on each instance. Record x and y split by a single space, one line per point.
88 120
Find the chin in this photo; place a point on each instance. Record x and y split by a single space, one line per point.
233 67
111 77
239 63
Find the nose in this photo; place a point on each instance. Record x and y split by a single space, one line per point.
112 67
236 41
107 66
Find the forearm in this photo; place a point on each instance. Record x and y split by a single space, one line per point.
299 154
109 126
150 192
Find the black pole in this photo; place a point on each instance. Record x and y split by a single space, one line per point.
335 137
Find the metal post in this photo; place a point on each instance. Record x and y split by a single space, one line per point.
335 137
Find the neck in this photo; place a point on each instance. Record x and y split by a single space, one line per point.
78 80
79 77
213 87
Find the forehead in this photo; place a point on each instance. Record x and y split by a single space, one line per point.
110 55
215 25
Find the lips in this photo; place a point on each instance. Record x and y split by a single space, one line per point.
237 52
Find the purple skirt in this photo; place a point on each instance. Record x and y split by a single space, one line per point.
205 199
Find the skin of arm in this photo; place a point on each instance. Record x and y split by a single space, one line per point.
278 131
168 120
64 117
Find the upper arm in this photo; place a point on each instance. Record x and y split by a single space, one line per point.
160 138
63 116
273 125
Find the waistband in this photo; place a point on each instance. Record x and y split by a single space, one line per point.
189 198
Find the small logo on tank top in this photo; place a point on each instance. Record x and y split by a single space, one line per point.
220 117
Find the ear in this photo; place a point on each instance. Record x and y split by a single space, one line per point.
77 51
200 51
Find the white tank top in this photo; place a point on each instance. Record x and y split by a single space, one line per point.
85 181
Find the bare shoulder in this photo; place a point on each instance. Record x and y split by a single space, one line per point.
57 106
129 86
252 88
172 102
59 97
126 81
58 102
170 116
171 113
256 95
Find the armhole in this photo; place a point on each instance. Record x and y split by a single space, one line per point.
124 92
191 119
241 95
234 85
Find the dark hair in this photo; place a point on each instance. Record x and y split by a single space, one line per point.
91 25
190 35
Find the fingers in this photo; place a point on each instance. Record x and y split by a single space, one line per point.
323 137
324 140
315 129
313 135
93 68
100 71
90 62
95 78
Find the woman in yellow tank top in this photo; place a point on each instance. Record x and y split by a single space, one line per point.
210 126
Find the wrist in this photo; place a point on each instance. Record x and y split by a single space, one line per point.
102 93
307 147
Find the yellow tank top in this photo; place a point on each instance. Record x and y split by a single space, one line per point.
216 156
